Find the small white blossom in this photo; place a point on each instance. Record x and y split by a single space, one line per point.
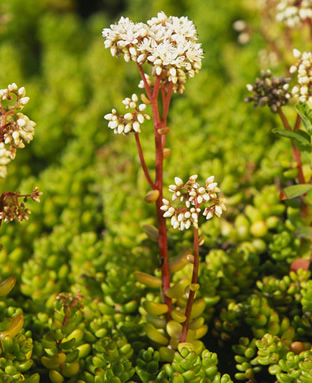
303 89
178 181
168 44
129 122
193 195
24 100
293 13
17 129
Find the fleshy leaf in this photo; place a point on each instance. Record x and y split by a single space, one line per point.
300 263
294 191
306 115
299 136
304 232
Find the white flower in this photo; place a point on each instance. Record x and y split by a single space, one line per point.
303 88
19 129
168 44
192 195
178 181
293 12
24 100
129 122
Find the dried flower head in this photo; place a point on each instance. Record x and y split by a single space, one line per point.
193 196
12 209
16 128
168 44
131 121
270 90
303 89
294 12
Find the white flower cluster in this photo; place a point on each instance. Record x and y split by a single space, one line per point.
303 89
294 12
129 122
16 128
168 44
193 196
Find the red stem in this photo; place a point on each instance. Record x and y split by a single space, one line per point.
143 163
296 152
284 119
166 102
310 28
191 297
162 241
297 123
296 156
288 39
146 86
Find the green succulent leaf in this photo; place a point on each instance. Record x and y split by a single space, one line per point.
306 115
295 191
300 137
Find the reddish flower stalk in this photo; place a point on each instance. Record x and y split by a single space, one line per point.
310 28
296 156
142 160
296 152
191 297
158 185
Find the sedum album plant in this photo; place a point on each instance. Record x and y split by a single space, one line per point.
16 129
274 92
168 49
294 13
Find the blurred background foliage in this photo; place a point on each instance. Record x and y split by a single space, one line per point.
91 180
86 235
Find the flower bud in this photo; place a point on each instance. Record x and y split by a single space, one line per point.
152 196
24 100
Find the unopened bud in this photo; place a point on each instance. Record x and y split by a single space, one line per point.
24 100
145 99
190 258
152 196
163 130
166 153
151 231
201 241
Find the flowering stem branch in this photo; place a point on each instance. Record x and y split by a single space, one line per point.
146 86
284 119
143 164
191 297
3 116
296 156
310 28
156 88
166 97
296 152
288 39
297 123
162 240
166 102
